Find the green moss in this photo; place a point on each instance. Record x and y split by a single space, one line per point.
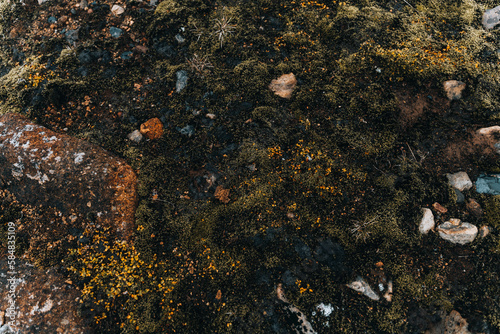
6 10
252 77
492 211
168 7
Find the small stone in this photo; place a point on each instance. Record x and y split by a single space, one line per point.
182 78
62 19
460 196
484 231
222 194
52 19
211 116
474 208
439 208
453 89
325 309
451 324
360 285
89 11
152 128
179 38
188 130
117 10
388 294
115 32
284 85
427 222
488 184
135 136
457 234
142 48
71 36
460 181
84 4
491 18
489 131
455 221
126 55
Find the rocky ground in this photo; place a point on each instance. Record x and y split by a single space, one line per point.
185 166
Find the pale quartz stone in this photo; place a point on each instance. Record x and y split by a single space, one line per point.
360 285
427 222
460 181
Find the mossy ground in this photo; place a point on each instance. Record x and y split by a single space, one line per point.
366 137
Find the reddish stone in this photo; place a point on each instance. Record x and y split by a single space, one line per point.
44 168
474 208
62 19
44 302
439 208
222 194
152 128
142 48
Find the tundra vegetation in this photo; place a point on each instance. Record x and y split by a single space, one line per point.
248 198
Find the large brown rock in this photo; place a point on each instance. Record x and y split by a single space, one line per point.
44 168
42 302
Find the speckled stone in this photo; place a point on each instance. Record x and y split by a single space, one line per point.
453 89
44 301
44 168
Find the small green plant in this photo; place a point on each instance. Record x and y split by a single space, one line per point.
199 65
360 230
223 28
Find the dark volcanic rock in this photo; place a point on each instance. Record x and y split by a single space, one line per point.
42 167
43 301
